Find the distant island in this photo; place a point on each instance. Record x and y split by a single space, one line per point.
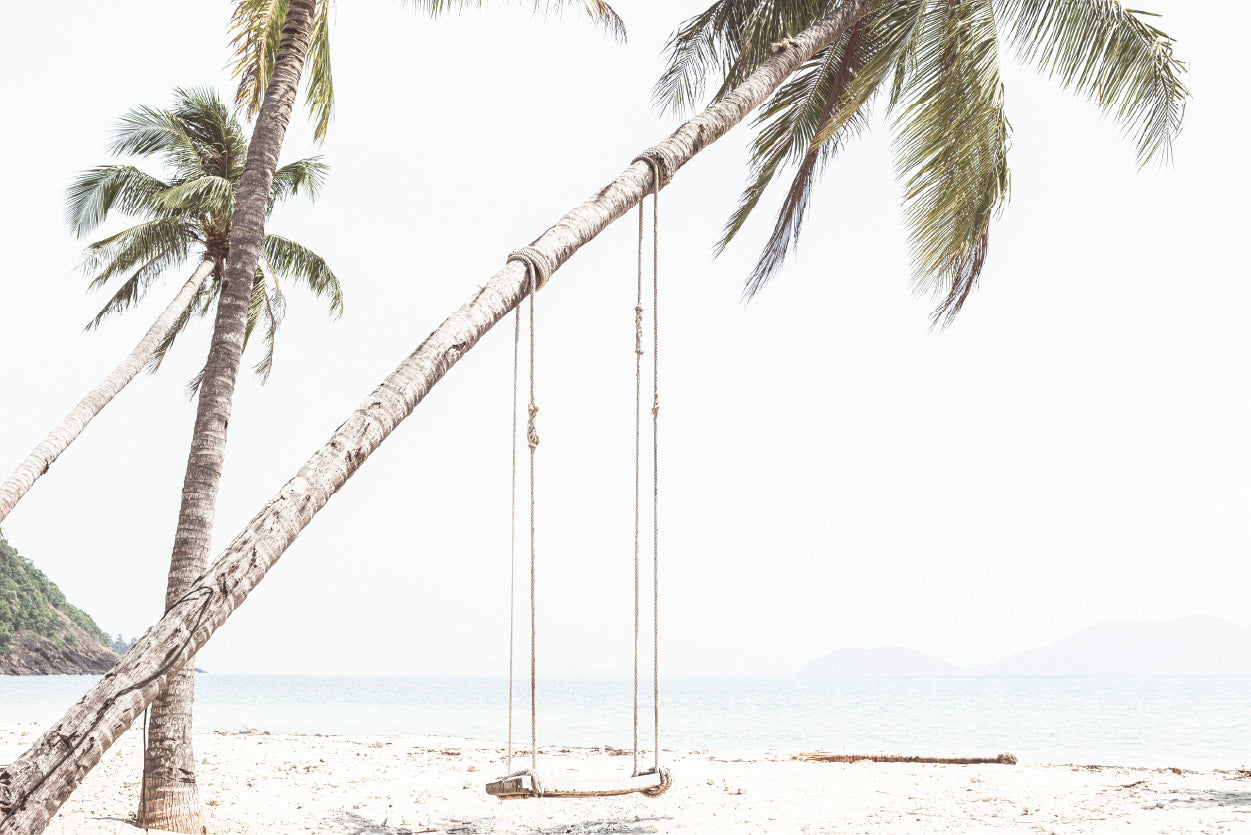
40 632
1194 646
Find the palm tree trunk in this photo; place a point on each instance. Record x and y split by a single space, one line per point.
169 799
51 447
34 787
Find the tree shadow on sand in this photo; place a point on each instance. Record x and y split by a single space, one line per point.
1213 797
349 823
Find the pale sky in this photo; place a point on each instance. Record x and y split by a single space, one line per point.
1073 450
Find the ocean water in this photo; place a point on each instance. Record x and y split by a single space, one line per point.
1184 722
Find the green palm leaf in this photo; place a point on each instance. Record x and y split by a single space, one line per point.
303 177
823 107
209 194
787 129
256 29
203 146
135 288
729 39
951 148
97 191
298 263
937 62
1111 55
139 244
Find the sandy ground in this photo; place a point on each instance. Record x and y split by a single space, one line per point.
260 783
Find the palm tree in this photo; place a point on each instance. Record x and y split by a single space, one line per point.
188 215
273 39
35 786
185 219
936 65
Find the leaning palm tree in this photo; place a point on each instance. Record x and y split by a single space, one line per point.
34 465
273 39
35 786
935 66
186 214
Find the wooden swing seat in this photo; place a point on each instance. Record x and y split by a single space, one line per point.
522 786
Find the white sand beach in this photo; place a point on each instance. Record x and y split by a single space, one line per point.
253 782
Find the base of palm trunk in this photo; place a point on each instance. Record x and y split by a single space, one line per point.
170 801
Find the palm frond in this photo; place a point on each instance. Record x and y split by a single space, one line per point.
951 146
726 41
786 127
319 92
135 288
202 144
294 261
302 177
267 305
256 32
216 143
794 121
144 131
139 244
211 195
256 29
1114 57
97 191
812 116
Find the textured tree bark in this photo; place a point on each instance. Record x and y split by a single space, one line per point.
169 799
56 442
34 787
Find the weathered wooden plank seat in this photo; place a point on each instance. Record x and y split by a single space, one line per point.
525 784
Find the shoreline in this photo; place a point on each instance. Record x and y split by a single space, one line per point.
256 781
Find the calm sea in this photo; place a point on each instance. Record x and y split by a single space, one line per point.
1182 722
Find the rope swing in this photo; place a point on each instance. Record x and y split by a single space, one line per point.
654 781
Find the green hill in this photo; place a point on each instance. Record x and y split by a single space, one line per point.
40 632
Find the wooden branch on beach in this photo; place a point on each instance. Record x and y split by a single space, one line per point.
826 757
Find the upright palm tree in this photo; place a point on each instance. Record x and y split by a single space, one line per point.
273 40
935 63
188 214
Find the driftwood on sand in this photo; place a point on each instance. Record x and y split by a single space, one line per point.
826 757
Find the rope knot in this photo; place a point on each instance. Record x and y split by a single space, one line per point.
532 432
666 780
539 265
638 331
535 783
662 162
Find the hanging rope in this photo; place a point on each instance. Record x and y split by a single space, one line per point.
538 269
512 536
638 422
661 166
